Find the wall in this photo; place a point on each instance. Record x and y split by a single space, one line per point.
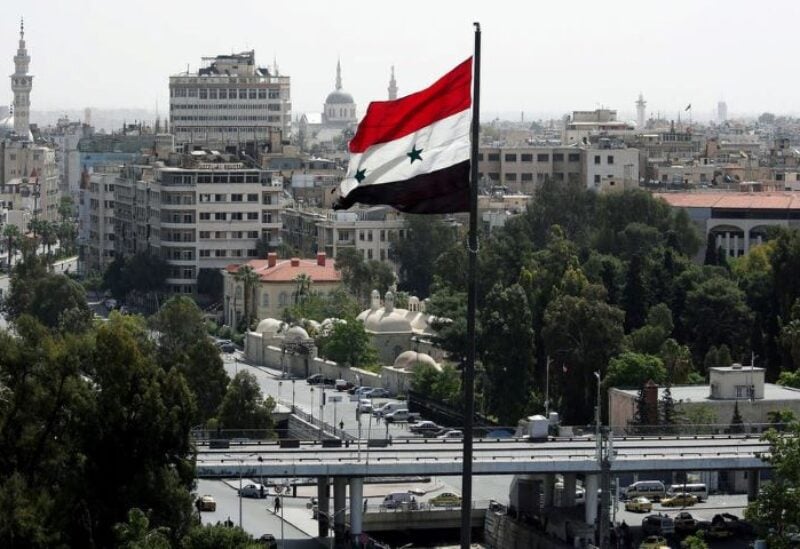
504 532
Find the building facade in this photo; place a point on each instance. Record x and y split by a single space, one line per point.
96 219
230 101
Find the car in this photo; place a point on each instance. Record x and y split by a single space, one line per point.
735 525
342 385
425 428
445 499
401 415
221 342
680 499
228 348
654 542
253 491
206 503
452 433
685 523
364 406
639 505
319 379
268 541
361 391
379 392
658 525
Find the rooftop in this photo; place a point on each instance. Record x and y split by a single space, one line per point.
320 269
733 200
701 393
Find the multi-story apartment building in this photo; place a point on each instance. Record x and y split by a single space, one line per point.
96 219
30 168
370 231
603 165
204 213
230 101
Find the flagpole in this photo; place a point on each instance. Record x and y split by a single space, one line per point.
472 252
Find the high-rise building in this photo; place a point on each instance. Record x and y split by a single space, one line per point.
722 112
392 86
641 104
21 85
230 101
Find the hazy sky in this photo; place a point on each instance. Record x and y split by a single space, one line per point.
545 58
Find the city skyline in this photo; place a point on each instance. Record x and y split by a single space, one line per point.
541 60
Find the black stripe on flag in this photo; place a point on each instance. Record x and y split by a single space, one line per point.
437 192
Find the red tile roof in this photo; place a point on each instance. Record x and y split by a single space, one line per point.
734 200
285 271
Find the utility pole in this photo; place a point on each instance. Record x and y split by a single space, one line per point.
606 457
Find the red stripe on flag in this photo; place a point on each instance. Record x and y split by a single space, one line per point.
389 120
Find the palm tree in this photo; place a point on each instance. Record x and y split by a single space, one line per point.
48 232
12 234
303 288
249 279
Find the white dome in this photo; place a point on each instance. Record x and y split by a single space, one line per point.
297 333
380 321
269 326
411 359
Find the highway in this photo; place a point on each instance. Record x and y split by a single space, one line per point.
407 457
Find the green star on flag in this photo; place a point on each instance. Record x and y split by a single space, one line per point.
361 175
415 154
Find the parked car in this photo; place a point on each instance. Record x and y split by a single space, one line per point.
378 392
452 433
685 523
228 348
445 499
388 408
659 525
221 342
253 491
361 391
364 406
399 499
401 415
342 385
639 505
426 428
268 541
734 524
654 542
206 503
680 499
319 379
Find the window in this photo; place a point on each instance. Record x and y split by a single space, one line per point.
252 216
511 157
494 176
610 159
204 197
236 216
494 157
369 254
203 93
383 255
383 235
527 177
252 253
223 94
574 157
219 216
283 299
558 157
361 236
252 197
262 94
264 295
597 159
252 94
223 253
369 236
236 234
212 93
252 234
192 92
205 216
220 235
205 234
236 197
596 179
480 157
543 158
527 157
242 94
219 197
511 177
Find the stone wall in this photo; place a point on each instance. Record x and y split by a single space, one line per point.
504 532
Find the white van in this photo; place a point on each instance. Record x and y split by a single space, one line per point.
397 500
653 490
389 407
697 489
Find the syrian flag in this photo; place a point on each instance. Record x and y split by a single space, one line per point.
413 153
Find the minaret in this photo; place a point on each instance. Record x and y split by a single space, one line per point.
338 75
640 113
21 85
392 86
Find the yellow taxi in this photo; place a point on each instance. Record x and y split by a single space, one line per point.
639 505
681 499
654 542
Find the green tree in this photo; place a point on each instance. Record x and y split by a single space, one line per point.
634 370
635 295
651 337
66 208
670 416
443 385
695 541
717 357
244 406
210 284
508 351
249 279
677 360
12 235
219 536
700 419
137 534
348 343
302 288
183 344
780 419
427 237
360 277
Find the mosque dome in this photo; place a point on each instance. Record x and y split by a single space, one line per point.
339 97
269 326
411 359
297 333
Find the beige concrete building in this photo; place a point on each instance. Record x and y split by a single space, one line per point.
96 229
277 287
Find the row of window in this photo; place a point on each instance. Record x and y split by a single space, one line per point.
235 197
228 106
369 255
528 177
369 234
191 179
224 235
225 93
229 253
253 118
218 129
528 157
226 216
598 158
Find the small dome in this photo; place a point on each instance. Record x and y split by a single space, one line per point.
411 359
297 333
339 97
269 326
391 322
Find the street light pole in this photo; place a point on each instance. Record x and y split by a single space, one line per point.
547 389
597 415
292 396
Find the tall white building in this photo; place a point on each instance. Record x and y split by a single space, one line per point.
392 86
21 85
230 101
641 105
722 112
